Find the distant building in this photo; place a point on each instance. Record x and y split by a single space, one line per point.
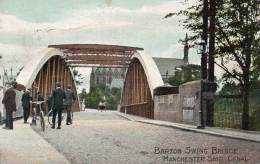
111 77
167 66
114 77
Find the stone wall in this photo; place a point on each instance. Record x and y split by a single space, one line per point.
167 108
182 108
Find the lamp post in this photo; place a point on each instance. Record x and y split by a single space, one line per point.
202 51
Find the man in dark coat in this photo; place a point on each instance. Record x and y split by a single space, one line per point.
58 96
70 98
26 100
10 105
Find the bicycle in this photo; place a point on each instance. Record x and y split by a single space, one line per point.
42 121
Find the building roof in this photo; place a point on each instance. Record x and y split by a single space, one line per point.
168 65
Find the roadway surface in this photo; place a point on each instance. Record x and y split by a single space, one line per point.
104 137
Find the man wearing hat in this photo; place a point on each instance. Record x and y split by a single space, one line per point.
70 98
26 100
58 96
10 105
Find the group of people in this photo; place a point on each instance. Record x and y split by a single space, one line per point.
58 101
62 100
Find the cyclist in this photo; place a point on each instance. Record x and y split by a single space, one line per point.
102 104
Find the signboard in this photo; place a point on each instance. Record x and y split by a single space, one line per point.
188 106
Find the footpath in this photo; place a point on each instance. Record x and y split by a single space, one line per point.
22 145
251 136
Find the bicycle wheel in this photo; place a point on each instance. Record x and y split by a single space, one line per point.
42 121
50 117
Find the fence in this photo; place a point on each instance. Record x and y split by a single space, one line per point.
228 111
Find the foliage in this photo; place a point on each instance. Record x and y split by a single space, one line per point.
237 37
185 74
97 92
230 89
77 76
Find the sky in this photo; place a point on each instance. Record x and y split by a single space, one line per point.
27 26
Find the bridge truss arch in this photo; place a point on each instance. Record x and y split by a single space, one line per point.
141 79
53 64
44 70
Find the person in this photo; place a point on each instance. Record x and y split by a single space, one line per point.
58 96
39 98
10 105
69 99
102 105
26 100
50 102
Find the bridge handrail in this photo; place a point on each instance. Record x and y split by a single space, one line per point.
143 103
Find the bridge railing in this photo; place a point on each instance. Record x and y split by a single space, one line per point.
143 109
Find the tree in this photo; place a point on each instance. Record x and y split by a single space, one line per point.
97 92
229 88
237 37
185 74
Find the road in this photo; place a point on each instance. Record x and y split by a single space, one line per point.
104 137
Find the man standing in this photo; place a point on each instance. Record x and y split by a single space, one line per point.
58 96
70 98
10 105
26 100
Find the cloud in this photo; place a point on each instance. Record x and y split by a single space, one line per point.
11 24
101 18
171 52
108 2
114 25
144 27
160 9
16 56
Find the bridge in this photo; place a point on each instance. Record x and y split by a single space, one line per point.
110 137
54 64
